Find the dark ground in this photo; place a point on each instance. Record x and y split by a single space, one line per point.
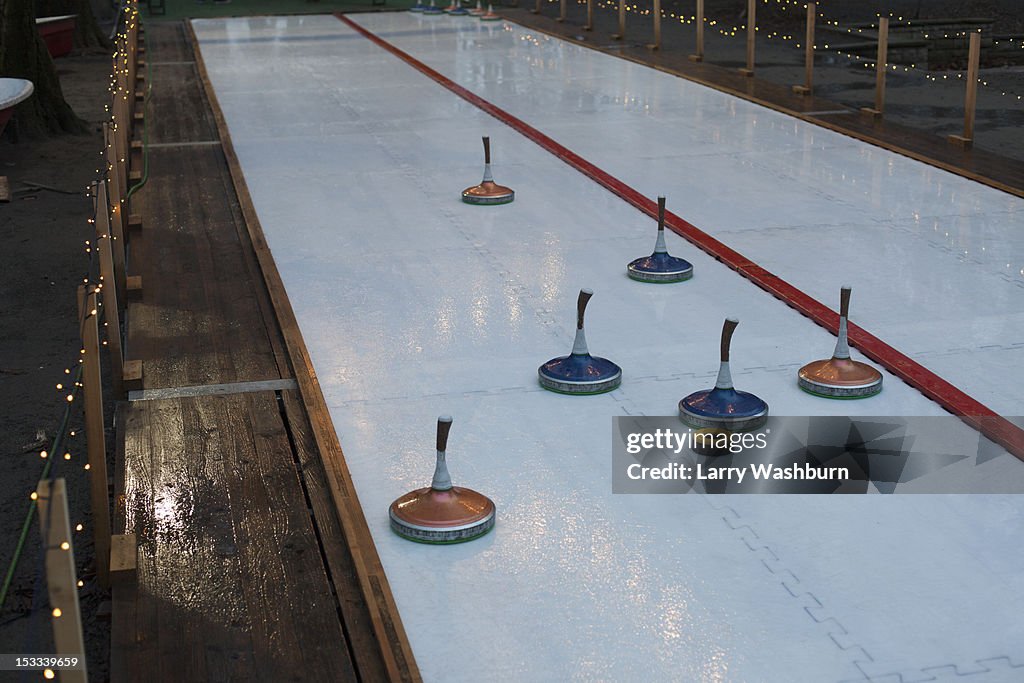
43 232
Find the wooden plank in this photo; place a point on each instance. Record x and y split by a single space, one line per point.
751 36
133 375
881 62
292 610
698 56
808 86
656 25
125 650
123 561
111 310
971 96
115 194
622 22
354 611
387 624
232 583
5 189
202 319
190 621
96 449
61 581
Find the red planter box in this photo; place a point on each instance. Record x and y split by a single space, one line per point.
58 33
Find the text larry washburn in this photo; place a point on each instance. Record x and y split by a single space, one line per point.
701 472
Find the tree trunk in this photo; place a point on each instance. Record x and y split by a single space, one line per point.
87 32
23 55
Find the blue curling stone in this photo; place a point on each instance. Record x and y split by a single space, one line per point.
660 267
580 374
737 411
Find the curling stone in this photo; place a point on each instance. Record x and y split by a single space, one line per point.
488 192
723 407
456 9
489 15
442 513
433 9
418 7
579 372
660 267
840 376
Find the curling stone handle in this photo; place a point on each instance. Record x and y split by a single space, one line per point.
727 329
661 214
444 425
581 306
844 301
487 150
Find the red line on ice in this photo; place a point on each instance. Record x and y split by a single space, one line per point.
953 399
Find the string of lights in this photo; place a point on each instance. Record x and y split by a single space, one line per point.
731 31
71 384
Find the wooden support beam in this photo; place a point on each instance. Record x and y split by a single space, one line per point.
5 189
95 438
61 580
536 9
589 26
808 85
751 31
971 96
656 12
562 10
123 557
134 222
111 309
881 61
116 202
134 283
622 22
133 375
698 56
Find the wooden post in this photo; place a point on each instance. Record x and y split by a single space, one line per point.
656 45
61 581
536 9
699 55
622 22
111 311
115 198
808 85
562 10
751 29
971 96
95 438
880 63
589 26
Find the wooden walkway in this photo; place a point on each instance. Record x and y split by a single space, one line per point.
254 559
991 169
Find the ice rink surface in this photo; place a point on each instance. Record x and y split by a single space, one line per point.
413 304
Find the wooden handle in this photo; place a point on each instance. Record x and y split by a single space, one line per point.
661 213
727 329
844 301
444 425
487 150
581 306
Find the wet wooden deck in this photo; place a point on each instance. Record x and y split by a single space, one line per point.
986 167
254 560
